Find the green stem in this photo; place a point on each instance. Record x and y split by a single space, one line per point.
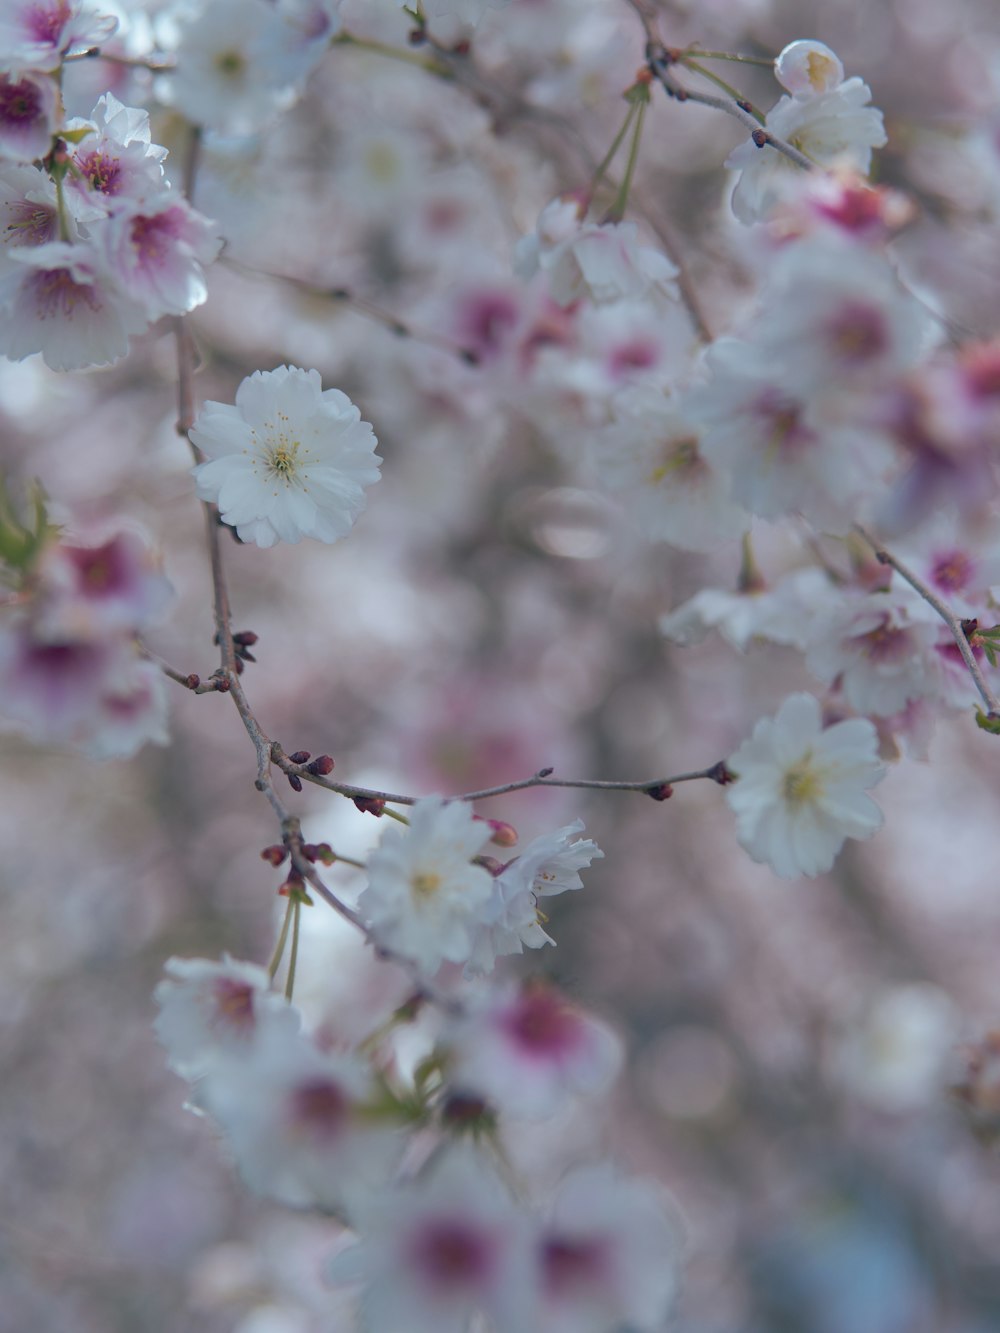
279 948
293 957
762 62
727 88
394 814
615 145
392 52
617 210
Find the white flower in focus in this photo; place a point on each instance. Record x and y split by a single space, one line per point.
527 1050
808 68
838 125
607 1255
211 1010
604 262
801 790
425 898
289 460
439 1250
509 922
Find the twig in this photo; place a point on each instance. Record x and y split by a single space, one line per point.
953 622
660 61
543 778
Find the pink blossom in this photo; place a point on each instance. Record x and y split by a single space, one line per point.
27 115
61 301
157 250
36 34
527 1050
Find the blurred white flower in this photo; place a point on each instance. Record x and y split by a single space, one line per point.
607 1255
289 460
602 261
526 1050
440 1250
36 34
210 1010
801 790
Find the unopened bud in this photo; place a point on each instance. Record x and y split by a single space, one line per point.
294 781
661 791
275 854
721 774
193 681
300 757
321 766
504 834
370 805
246 638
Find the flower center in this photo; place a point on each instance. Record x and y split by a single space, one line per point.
282 459
425 886
802 784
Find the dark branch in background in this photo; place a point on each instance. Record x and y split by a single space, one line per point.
661 60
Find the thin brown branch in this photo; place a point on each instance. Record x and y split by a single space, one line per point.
543 778
949 617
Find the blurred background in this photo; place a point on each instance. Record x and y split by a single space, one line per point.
793 1046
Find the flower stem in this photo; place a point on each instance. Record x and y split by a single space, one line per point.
295 905
617 210
616 143
279 948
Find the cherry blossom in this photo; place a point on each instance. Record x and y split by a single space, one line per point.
800 789
290 459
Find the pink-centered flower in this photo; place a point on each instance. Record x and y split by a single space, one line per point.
27 115
211 1011
36 34
527 1050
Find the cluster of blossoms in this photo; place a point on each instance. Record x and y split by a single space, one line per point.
70 669
96 245
830 403
410 1162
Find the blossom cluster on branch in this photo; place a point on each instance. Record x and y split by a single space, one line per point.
822 435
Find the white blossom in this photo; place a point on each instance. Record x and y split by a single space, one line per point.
807 69
289 460
602 261
210 1011
526 1050
440 1250
509 921
425 898
607 1255
838 125
800 790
